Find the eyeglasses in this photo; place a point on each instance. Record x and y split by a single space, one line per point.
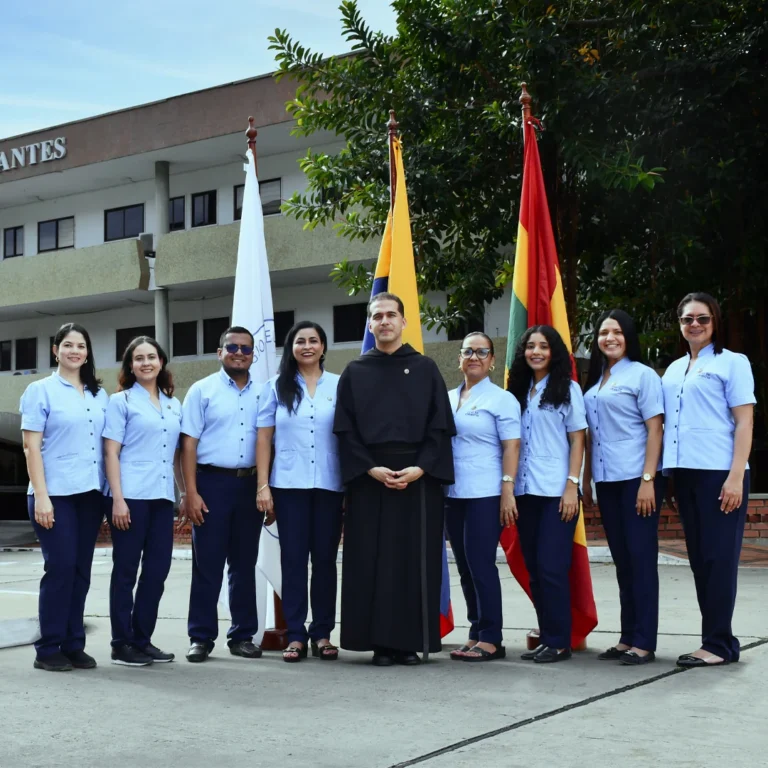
246 349
700 319
482 353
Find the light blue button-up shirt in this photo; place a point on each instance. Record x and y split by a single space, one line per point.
698 423
544 449
71 424
149 438
617 413
223 418
306 450
488 416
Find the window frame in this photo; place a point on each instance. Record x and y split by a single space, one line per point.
358 304
57 222
16 366
122 209
195 195
279 343
278 179
174 353
9 348
16 239
171 201
209 320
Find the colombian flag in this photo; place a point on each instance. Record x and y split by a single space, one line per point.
396 273
538 299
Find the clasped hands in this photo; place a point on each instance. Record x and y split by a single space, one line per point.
396 479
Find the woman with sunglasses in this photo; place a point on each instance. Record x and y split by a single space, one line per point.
625 411
481 502
303 491
709 398
141 439
547 484
62 418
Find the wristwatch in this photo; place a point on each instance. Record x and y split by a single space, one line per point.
573 479
508 479
647 478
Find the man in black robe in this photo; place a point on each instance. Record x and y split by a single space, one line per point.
394 424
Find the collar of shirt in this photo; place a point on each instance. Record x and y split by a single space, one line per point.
476 388
707 351
227 379
56 375
303 382
619 366
540 387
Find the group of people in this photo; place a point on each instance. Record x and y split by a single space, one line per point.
388 451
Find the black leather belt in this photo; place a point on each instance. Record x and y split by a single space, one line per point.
248 472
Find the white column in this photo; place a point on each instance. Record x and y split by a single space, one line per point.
162 197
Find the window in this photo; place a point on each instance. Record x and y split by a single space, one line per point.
475 322
204 208
185 338
124 336
283 322
212 330
270 192
349 321
51 357
56 234
26 354
13 242
176 213
5 355
120 223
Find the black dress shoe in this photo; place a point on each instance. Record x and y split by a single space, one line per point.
56 662
531 655
198 652
246 649
630 658
381 659
407 658
80 659
548 655
612 654
158 656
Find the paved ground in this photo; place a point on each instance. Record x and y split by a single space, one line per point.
349 714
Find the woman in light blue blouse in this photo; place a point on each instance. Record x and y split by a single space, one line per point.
625 411
304 490
62 417
709 398
481 502
547 483
141 439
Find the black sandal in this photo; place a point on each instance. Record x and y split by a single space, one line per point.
482 655
293 654
457 653
325 652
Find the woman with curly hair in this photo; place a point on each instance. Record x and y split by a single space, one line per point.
547 484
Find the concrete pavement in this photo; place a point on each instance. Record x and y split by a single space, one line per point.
231 711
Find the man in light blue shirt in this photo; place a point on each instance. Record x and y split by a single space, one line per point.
218 456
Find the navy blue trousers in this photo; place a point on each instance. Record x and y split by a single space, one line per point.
229 535
473 527
634 544
68 554
309 524
547 544
149 542
714 543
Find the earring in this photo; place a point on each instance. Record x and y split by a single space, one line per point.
493 367
57 360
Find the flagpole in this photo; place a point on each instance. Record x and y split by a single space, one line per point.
392 128
274 639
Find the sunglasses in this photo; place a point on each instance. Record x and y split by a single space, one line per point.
700 319
482 353
246 349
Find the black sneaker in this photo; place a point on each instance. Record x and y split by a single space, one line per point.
198 652
158 656
128 656
246 649
80 659
56 662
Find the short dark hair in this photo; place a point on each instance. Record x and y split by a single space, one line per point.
126 378
714 308
235 329
485 336
386 296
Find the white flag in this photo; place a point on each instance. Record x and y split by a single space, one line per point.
252 309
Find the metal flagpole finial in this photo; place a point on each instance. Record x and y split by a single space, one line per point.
525 101
392 125
392 128
250 135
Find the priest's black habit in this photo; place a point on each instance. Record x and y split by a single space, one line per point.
392 410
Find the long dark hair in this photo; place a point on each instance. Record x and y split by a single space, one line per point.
714 309
558 389
126 378
289 393
88 368
632 349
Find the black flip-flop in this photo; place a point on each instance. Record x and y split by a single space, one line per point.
456 652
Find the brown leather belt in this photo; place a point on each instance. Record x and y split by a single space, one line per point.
248 472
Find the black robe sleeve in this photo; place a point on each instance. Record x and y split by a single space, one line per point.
435 456
354 457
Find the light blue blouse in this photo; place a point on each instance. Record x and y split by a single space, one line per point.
544 449
71 424
698 423
149 438
617 413
306 450
488 416
223 418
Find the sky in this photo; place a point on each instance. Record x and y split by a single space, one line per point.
63 61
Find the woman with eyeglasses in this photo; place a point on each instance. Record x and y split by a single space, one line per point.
481 502
303 492
62 418
141 452
709 398
625 411
547 483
